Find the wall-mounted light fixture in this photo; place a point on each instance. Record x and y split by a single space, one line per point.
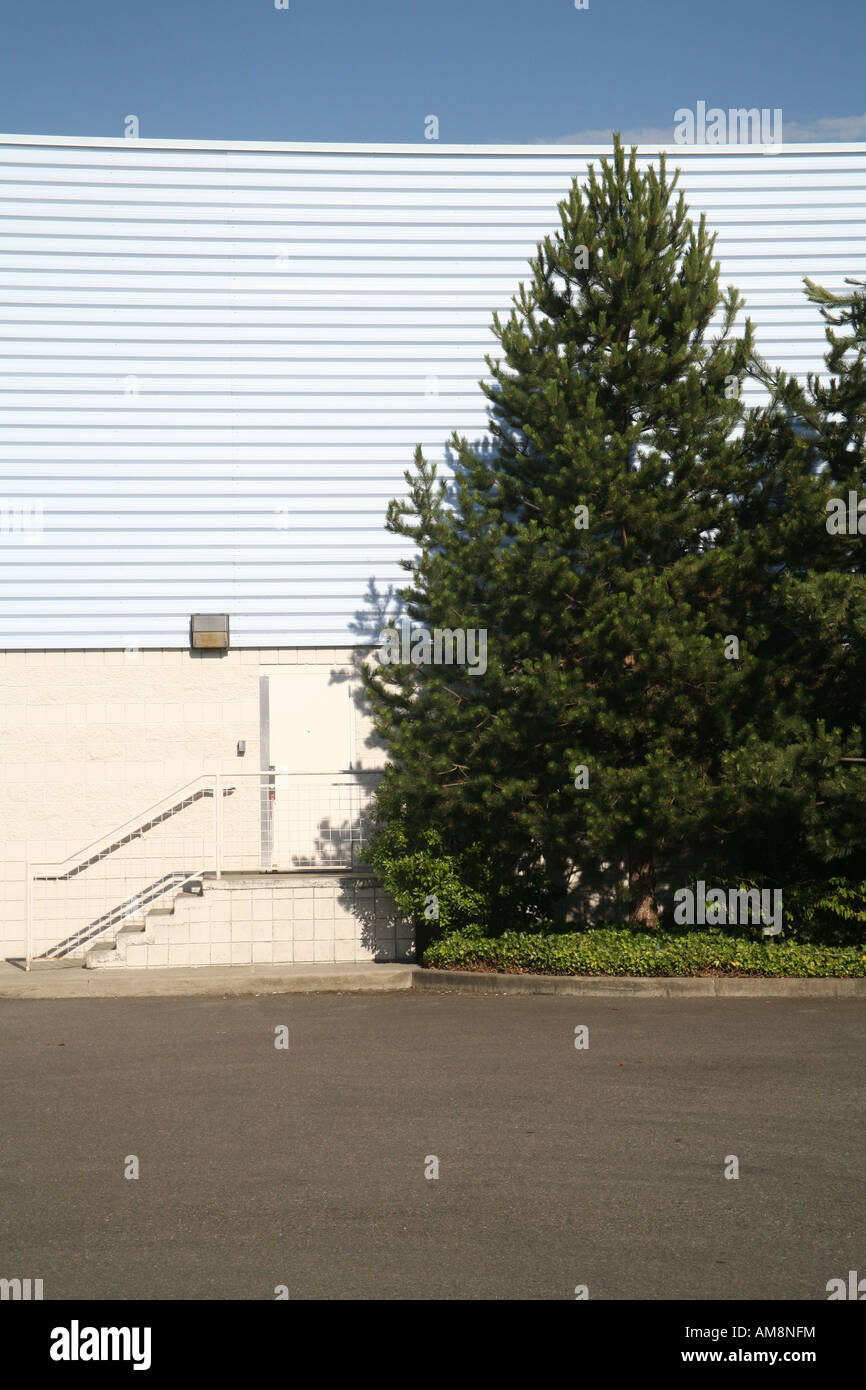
209 631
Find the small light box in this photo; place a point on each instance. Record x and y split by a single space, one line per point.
209 631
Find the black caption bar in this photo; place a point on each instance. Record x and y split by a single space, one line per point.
150 1339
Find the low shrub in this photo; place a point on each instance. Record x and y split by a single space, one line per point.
832 913
441 892
624 950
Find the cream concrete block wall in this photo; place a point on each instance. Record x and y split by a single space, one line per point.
88 739
274 919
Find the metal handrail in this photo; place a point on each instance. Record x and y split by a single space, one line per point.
80 863
149 895
133 835
59 863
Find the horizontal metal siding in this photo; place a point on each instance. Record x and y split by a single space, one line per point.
295 319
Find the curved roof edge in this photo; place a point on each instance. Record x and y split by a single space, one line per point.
431 147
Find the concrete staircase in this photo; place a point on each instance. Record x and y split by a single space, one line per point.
138 932
315 917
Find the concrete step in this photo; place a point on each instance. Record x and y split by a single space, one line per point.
113 954
139 931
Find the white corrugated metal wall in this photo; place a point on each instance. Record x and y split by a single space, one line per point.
216 360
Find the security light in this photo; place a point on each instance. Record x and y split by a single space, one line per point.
209 631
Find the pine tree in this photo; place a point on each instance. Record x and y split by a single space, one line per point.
582 542
802 792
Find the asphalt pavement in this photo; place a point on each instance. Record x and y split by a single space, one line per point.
307 1166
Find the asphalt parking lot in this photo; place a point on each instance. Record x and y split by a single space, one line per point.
558 1166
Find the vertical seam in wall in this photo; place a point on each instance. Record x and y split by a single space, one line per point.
264 764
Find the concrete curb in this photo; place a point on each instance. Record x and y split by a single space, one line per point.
202 980
642 987
64 982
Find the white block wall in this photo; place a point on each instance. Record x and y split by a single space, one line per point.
90 738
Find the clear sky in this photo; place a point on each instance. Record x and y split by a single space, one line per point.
371 70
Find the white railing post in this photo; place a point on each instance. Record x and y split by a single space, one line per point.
28 911
218 826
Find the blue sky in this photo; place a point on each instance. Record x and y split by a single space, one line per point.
371 70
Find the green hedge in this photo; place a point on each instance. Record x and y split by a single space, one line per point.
624 951
440 892
832 912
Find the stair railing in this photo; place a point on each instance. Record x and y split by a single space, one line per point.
130 830
282 820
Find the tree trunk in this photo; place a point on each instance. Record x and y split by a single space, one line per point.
642 890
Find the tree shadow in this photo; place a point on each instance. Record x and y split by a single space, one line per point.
380 610
336 844
385 933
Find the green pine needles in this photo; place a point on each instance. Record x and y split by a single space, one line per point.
649 561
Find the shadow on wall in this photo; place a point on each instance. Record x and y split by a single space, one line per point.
380 610
595 897
334 846
385 933
600 898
